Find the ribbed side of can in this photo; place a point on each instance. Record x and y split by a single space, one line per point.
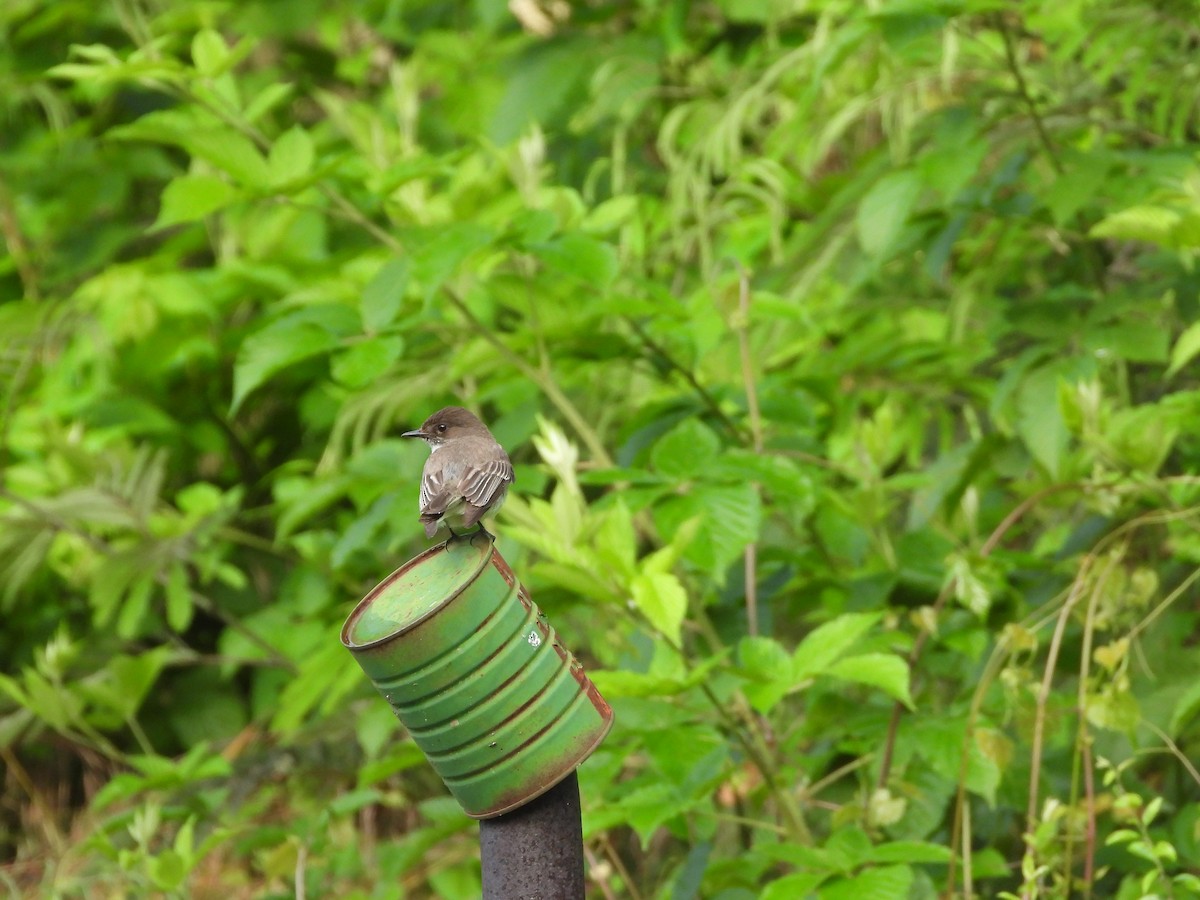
499 707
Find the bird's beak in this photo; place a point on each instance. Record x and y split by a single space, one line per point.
418 433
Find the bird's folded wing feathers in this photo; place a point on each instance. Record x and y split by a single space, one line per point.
480 483
477 485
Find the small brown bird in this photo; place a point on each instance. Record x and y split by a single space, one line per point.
467 474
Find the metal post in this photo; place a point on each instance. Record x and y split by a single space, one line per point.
535 852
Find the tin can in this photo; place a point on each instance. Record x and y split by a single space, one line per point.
473 670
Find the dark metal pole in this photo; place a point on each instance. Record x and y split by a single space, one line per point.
535 852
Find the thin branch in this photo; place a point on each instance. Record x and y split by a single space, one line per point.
18 250
594 865
742 326
611 852
701 391
1014 66
1175 751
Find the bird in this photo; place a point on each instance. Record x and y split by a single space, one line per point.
467 474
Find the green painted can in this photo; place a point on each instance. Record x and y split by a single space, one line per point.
472 668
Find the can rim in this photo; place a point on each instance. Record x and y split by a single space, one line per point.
372 595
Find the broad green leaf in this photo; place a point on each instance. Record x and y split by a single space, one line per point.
667 675
1185 349
129 680
231 152
439 256
911 852
882 883
791 887
768 666
829 641
178 599
583 258
1039 420
266 100
384 295
291 156
135 607
365 361
295 337
1135 341
662 600
1143 436
686 451
725 517
615 541
611 214
884 211
1187 708
209 52
885 671
360 533
1150 223
942 741
1114 709
1076 187
58 708
191 197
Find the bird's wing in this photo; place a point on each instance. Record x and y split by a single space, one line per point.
442 487
481 483
436 491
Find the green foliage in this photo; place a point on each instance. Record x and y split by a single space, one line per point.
846 354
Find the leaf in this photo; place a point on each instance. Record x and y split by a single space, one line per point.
179 599
231 152
731 516
295 337
883 883
291 156
1187 707
662 600
686 450
884 211
583 258
611 214
615 541
266 100
790 887
829 641
135 607
210 53
768 666
885 671
1039 420
1148 223
130 679
384 294
444 250
191 197
1185 349
359 534
366 361
911 852
1114 709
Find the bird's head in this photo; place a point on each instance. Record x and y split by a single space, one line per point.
446 425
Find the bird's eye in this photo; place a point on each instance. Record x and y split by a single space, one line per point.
442 427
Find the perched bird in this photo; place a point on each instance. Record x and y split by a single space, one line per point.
467 474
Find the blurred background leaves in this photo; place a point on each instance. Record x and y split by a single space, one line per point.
845 353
